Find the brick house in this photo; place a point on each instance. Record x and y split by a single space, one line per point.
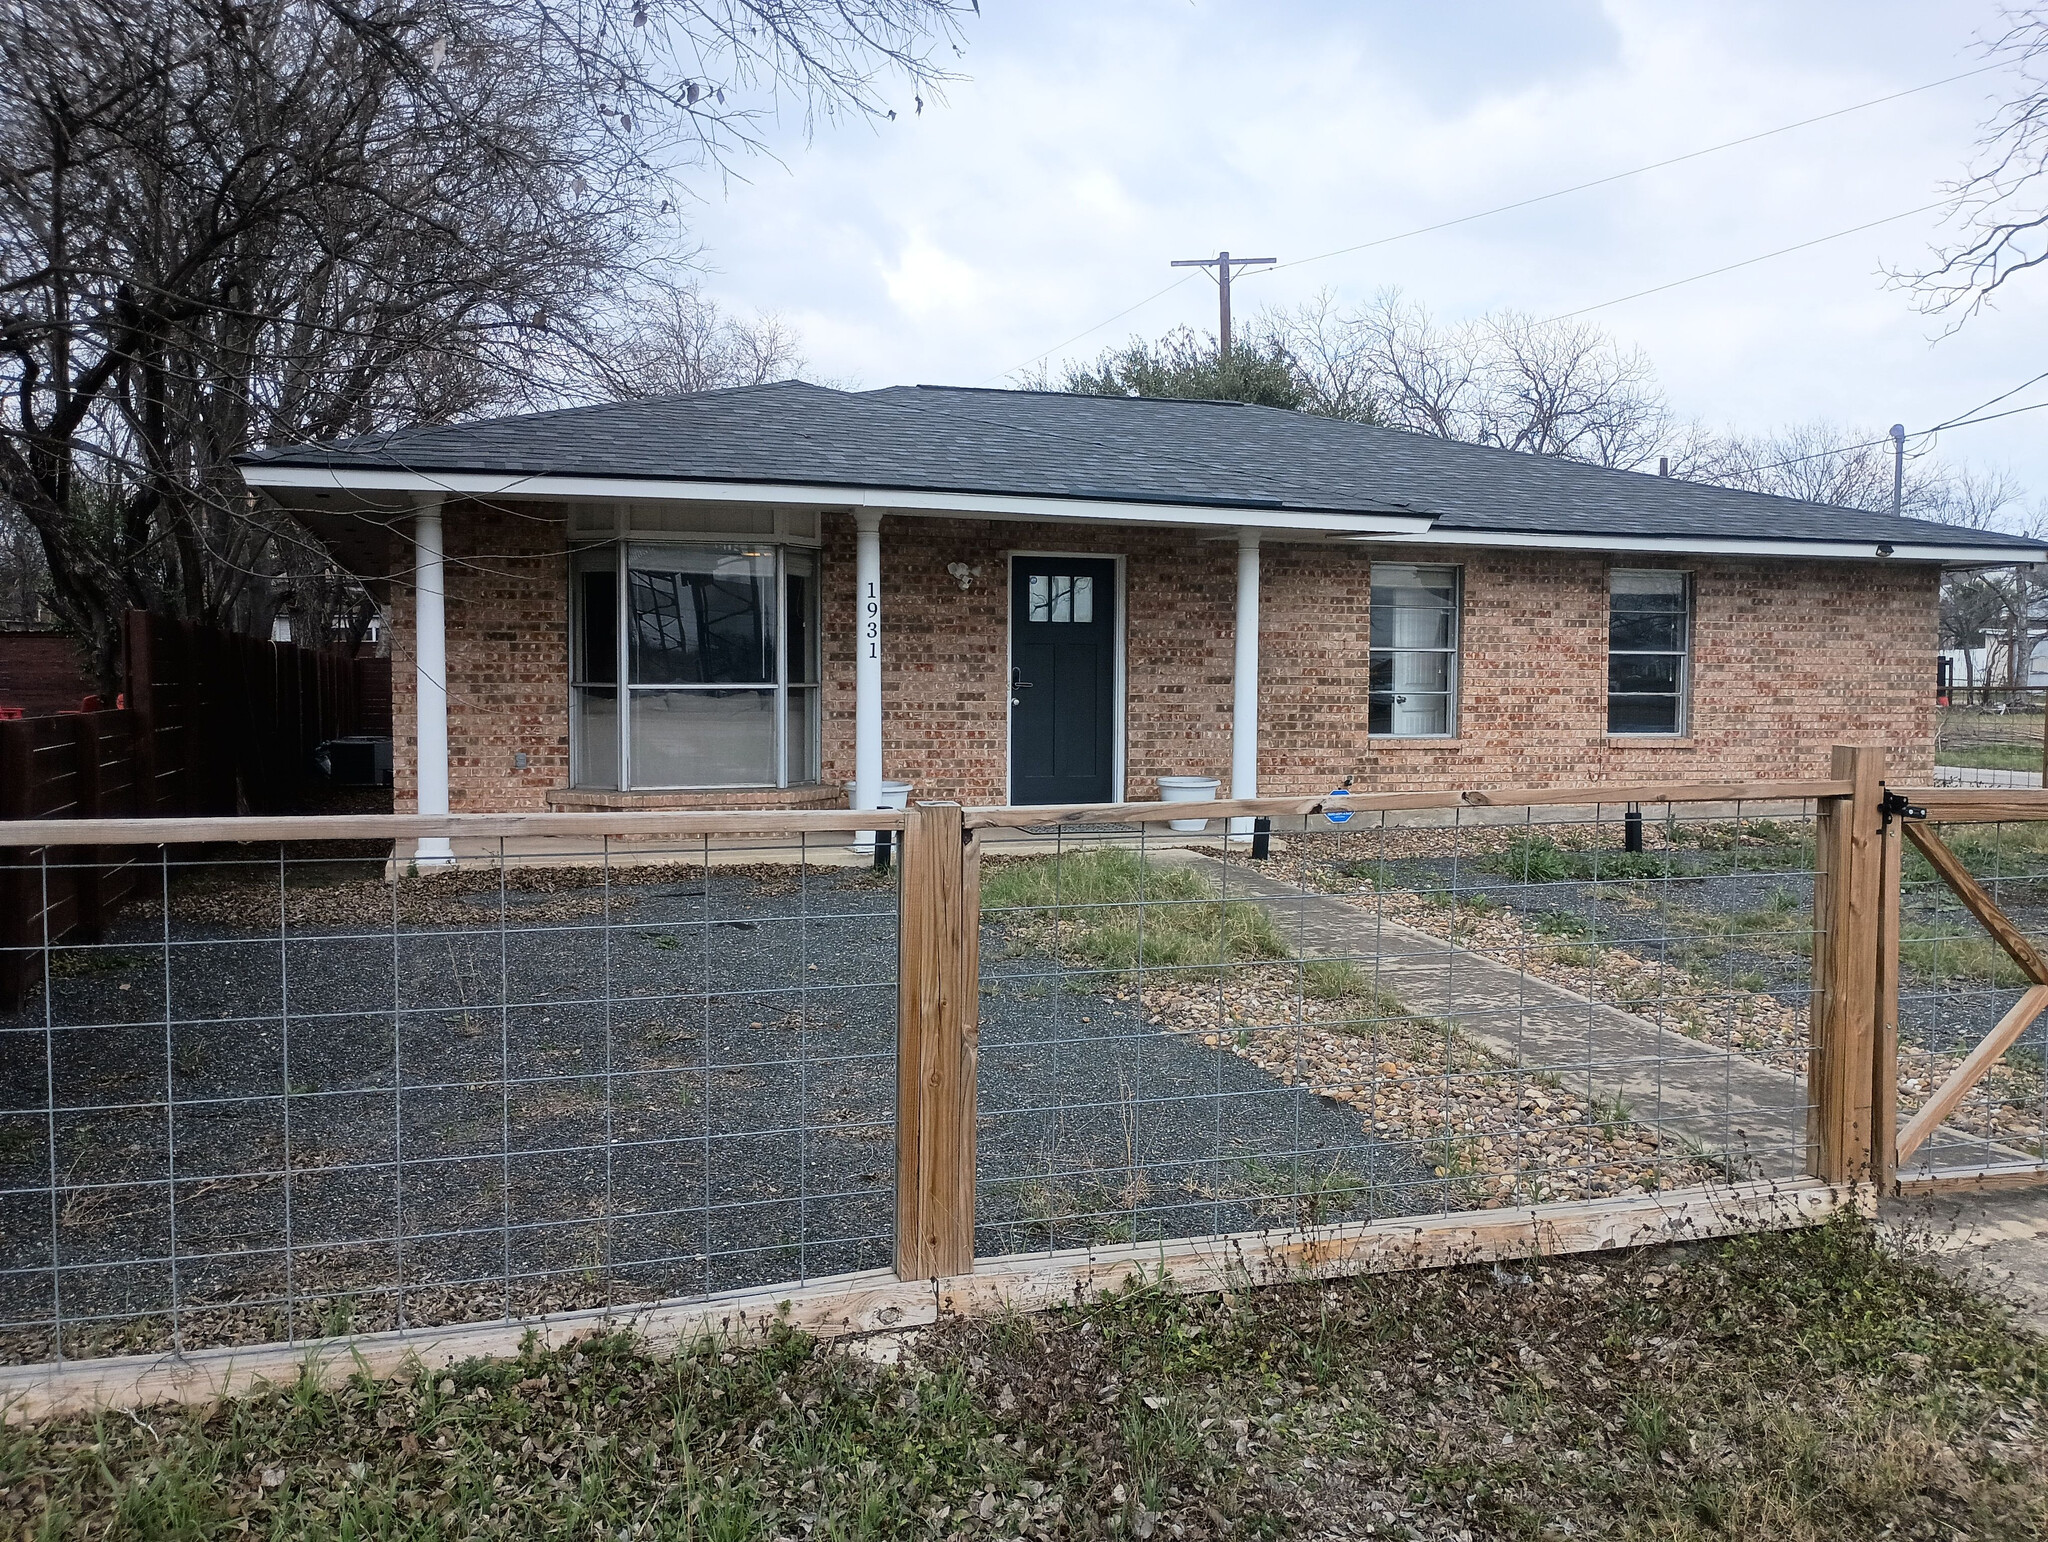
758 597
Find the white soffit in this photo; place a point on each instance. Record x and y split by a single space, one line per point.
366 481
1713 546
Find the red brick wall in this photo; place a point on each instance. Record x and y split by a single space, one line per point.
1789 658
508 660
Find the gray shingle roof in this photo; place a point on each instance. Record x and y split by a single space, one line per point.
1052 445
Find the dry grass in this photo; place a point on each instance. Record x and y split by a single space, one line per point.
1806 1387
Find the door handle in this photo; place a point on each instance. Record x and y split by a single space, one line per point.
1017 683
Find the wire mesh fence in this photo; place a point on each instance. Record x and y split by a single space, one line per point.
1957 985
1990 736
298 1091
291 1092
1391 1016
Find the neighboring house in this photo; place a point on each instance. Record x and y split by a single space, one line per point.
1037 598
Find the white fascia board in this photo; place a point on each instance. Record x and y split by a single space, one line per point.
366 481
1689 546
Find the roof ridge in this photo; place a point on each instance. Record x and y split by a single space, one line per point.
1086 396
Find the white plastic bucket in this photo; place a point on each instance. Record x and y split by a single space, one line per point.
894 795
1188 789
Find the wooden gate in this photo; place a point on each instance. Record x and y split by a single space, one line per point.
1994 1153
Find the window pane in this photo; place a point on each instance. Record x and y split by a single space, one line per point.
1634 632
1642 714
1647 639
1041 597
1410 712
803 737
798 601
597 737
1084 600
1645 590
597 635
1643 672
701 615
1413 607
703 738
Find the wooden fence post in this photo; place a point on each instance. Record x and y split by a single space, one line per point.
19 899
85 877
1842 1055
937 1028
1884 1066
142 705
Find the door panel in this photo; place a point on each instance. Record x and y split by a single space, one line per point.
1063 631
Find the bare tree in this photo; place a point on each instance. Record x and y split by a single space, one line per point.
230 223
676 339
1333 372
1550 388
1997 202
1567 388
1425 378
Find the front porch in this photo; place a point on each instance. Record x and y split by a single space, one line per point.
801 666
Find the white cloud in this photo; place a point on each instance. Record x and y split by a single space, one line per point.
1094 143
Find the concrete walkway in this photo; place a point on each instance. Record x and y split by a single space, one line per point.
1748 1112
1978 776
1997 1243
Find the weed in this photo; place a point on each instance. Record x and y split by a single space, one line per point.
1649 1422
1610 1111
77 963
1114 909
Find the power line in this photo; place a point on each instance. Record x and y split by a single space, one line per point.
1746 262
1085 331
1635 171
1521 203
1961 420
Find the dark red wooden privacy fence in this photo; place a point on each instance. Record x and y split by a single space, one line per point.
215 724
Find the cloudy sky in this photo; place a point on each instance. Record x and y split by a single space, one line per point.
1094 140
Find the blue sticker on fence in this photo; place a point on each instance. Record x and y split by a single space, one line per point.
1338 816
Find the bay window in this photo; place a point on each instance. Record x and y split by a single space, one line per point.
694 665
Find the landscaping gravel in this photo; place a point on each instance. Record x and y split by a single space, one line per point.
674 1081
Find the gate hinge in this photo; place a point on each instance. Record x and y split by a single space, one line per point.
1894 806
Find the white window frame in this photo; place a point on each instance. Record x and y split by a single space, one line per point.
1683 726
1454 677
621 545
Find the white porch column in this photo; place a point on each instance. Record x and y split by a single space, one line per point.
1244 697
867 667
430 676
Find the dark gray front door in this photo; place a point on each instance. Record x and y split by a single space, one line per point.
1062 680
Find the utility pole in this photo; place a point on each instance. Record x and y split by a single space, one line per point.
1222 262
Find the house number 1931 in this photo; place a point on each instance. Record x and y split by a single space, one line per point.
874 623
